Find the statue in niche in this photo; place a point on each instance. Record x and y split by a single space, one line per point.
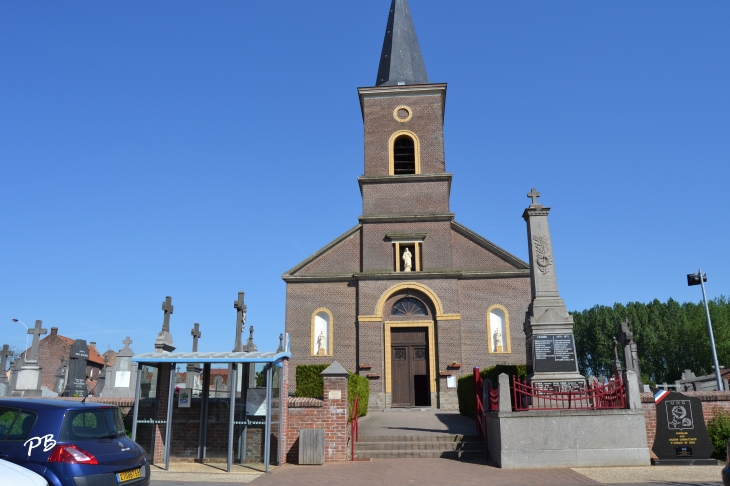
498 347
321 344
407 260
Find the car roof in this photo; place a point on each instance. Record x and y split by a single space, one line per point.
38 405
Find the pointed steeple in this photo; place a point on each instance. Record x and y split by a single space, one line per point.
401 61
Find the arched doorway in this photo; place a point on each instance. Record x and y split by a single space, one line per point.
408 315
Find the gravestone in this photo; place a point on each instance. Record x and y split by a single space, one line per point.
551 354
681 436
59 382
27 379
122 376
5 353
193 370
78 358
164 338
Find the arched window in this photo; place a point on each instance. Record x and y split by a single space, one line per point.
404 155
409 307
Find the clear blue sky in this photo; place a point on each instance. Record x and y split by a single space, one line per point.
195 149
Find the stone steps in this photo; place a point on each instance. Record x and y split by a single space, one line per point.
432 446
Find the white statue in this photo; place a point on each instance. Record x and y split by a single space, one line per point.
497 340
321 344
407 265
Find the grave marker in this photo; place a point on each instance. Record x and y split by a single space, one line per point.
76 383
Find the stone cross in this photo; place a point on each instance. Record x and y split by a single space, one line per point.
616 361
168 308
250 346
127 342
534 195
36 332
240 322
280 349
195 332
4 354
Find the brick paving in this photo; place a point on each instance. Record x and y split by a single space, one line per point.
418 472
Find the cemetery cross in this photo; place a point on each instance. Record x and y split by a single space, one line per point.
240 321
4 354
195 332
534 195
36 332
167 308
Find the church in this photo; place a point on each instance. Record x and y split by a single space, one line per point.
408 297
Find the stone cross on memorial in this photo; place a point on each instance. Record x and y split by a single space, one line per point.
192 375
167 308
240 322
250 346
36 332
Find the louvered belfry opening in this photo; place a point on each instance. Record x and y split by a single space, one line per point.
404 155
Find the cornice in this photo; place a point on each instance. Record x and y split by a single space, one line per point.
445 274
406 218
409 178
534 211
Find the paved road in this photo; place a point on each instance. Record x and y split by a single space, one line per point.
420 472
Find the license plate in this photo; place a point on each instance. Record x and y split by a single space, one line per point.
128 475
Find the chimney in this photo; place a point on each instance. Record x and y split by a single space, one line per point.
92 344
54 331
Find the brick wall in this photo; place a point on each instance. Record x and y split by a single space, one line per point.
328 414
426 123
710 401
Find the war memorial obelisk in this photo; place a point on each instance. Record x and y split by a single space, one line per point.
550 346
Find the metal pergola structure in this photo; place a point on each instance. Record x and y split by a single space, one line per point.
159 359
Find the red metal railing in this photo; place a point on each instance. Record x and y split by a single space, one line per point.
493 404
354 427
595 397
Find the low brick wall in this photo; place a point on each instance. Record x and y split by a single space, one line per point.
328 414
710 401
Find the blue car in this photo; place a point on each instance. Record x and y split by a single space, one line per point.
71 443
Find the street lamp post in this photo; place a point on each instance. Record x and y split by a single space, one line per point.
699 278
26 334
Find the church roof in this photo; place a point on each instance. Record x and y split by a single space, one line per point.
401 62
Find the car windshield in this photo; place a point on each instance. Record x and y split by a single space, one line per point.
96 423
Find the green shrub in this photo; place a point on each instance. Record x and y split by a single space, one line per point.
358 386
310 384
465 384
718 429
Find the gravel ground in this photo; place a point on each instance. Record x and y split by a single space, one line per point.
663 474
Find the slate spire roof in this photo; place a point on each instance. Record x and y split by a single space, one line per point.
401 61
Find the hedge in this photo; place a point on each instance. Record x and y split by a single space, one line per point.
465 385
311 384
718 428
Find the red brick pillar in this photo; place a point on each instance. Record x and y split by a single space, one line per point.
163 387
336 409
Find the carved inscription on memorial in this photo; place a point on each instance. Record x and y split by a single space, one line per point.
554 353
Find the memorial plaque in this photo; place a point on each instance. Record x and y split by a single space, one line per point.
554 353
681 435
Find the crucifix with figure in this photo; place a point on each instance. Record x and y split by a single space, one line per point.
195 332
240 322
36 331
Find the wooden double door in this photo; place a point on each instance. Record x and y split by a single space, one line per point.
409 367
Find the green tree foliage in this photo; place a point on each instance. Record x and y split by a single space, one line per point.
718 428
670 337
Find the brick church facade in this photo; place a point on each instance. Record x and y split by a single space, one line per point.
407 294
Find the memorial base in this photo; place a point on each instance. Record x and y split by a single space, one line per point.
685 462
567 438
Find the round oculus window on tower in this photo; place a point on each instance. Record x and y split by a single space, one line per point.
402 113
